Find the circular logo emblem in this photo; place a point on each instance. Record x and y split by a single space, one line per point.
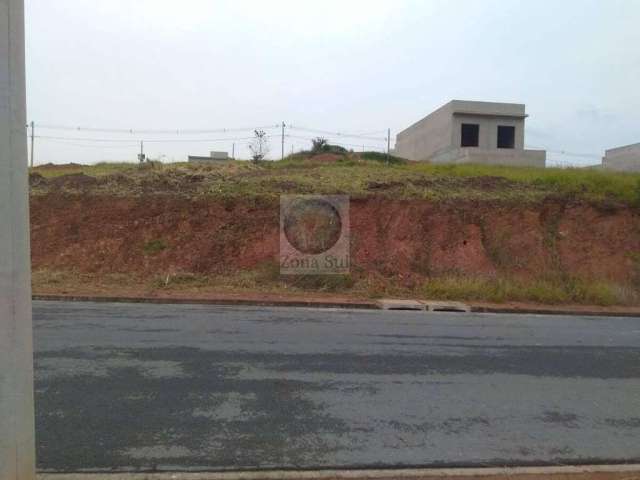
312 226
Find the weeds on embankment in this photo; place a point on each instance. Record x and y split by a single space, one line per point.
358 175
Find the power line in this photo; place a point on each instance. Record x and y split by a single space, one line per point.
339 134
341 144
107 140
73 144
165 140
380 132
574 154
182 131
86 142
175 131
567 153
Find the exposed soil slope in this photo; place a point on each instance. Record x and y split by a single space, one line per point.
403 239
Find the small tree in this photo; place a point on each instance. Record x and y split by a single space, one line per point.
319 144
259 146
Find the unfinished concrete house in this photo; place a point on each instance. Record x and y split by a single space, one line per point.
623 159
470 132
214 157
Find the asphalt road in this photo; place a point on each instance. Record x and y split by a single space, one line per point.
207 387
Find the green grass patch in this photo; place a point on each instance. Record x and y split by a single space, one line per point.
320 283
594 183
154 246
546 291
97 170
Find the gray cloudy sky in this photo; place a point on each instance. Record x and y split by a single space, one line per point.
345 66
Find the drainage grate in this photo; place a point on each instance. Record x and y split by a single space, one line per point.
446 306
423 305
398 304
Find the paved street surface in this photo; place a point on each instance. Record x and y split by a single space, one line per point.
210 387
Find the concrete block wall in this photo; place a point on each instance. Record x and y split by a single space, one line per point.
488 137
623 159
427 136
510 157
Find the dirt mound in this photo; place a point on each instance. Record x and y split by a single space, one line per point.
401 239
76 181
326 158
376 186
57 166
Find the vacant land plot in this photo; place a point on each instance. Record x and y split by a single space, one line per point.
461 232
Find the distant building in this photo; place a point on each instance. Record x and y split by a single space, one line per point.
213 157
219 155
624 159
470 132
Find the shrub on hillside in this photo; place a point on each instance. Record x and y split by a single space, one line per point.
322 145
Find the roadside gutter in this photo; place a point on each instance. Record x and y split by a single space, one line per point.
587 472
283 301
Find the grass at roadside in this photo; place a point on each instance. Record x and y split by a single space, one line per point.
347 174
545 291
266 280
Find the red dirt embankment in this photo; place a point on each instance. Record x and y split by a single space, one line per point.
403 239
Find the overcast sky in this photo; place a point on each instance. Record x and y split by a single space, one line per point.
344 66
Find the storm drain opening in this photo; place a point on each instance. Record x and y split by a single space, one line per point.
422 305
399 304
455 307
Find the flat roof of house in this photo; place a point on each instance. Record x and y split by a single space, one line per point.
472 107
469 107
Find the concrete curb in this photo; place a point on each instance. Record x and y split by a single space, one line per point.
553 311
588 472
207 301
359 304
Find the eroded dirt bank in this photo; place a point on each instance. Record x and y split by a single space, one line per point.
405 240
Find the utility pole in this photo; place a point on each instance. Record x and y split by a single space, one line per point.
388 143
32 135
141 156
233 151
17 432
282 156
